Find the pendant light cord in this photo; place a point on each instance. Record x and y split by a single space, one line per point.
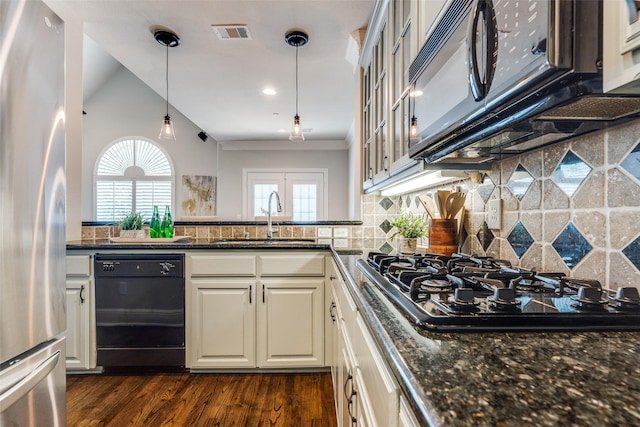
167 79
296 80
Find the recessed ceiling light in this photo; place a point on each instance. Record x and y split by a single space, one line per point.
269 91
276 114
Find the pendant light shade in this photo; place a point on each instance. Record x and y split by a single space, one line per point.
413 125
167 39
296 39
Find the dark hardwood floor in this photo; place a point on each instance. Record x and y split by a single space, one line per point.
183 399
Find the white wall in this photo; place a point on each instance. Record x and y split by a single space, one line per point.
125 107
73 127
231 163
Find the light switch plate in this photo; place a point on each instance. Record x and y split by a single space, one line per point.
494 214
340 232
324 232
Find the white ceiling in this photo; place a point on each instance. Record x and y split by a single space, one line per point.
218 84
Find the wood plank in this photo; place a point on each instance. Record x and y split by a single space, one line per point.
181 399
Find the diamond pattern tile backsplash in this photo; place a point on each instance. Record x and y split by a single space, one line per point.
571 246
520 239
572 207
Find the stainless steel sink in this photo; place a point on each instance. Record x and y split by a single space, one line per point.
262 242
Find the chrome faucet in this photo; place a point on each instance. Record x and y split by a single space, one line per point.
268 213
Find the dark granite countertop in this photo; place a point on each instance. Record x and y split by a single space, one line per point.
506 379
191 243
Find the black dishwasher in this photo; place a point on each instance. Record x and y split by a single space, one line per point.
140 310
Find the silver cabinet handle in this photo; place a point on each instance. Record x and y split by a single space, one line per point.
29 381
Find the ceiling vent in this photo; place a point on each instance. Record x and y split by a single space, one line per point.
232 32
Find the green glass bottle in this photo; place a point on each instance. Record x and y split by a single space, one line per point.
154 225
167 223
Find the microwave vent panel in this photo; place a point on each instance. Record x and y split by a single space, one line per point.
595 108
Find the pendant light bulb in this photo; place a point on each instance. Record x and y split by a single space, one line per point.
413 130
166 131
296 130
167 39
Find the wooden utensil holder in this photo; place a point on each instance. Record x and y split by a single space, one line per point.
443 236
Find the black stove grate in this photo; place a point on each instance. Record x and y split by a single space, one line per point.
467 293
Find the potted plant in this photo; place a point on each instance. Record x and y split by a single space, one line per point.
131 226
410 227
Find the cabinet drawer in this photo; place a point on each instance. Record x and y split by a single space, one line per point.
344 301
223 265
292 264
377 382
78 265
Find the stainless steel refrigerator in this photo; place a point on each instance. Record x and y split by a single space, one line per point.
32 216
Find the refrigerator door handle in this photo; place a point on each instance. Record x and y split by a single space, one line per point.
28 381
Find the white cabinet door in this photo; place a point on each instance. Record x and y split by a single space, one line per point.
78 335
291 322
406 417
377 387
347 387
222 323
337 361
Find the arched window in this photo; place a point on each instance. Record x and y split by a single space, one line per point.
132 175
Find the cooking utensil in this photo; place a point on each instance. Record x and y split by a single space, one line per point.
429 205
461 221
441 199
453 204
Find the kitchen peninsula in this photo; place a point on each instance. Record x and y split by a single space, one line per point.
429 378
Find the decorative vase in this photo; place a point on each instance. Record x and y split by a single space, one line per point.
408 245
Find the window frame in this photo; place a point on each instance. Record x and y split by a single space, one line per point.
131 178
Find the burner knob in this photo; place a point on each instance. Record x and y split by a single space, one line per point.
463 296
589 295
505 295
628 294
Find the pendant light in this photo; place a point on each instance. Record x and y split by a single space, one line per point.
167 39
413 127
296 39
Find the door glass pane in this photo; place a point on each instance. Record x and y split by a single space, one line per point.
305 202
261 194
397 133
406 51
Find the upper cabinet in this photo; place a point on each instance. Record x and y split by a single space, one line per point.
621 45
396 29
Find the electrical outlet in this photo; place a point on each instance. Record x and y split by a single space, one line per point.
494 214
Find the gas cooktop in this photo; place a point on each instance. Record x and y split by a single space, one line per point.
468 293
